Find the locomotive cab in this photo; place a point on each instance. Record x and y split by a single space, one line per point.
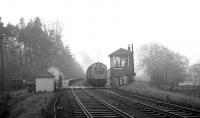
97 75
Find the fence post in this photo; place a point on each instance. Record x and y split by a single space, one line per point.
44 108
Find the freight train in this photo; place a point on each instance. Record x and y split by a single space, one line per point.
97 74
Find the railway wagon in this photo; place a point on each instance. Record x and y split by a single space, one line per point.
97 74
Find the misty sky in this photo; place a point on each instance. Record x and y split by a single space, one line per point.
95 28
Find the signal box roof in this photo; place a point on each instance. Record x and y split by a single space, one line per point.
121 51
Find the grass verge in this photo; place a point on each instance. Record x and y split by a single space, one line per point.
144 89
28 105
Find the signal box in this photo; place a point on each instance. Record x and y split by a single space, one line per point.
122 67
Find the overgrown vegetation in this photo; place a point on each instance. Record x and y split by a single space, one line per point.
28 105
164 66
195 73
29 48
4 107
143 88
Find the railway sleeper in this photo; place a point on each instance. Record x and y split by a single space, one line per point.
105 116
79 116
100 110
193 116
105 110
102 113
182 113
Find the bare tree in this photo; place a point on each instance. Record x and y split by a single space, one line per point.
162 65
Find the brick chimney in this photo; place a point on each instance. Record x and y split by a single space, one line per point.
129 48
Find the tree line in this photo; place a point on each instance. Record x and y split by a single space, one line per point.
30 48
164 66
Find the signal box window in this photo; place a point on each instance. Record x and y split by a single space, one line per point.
99 72
120 61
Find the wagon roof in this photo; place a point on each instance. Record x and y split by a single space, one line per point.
120 51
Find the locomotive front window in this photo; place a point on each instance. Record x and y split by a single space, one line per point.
99 72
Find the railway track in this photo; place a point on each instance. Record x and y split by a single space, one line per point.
160 109
78 112
93 107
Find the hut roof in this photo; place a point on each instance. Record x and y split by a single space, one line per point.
45 74
54 67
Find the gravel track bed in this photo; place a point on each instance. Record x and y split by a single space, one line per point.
139 100
130 109
65 100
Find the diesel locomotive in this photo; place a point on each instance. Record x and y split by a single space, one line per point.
97 74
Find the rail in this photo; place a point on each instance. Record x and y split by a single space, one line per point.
81 105
158 101
125 115
55 104
95 107
174 110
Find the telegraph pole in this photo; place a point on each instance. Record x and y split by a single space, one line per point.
133 58
166 75
1 50
2 79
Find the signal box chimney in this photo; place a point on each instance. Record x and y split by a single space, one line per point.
129 48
